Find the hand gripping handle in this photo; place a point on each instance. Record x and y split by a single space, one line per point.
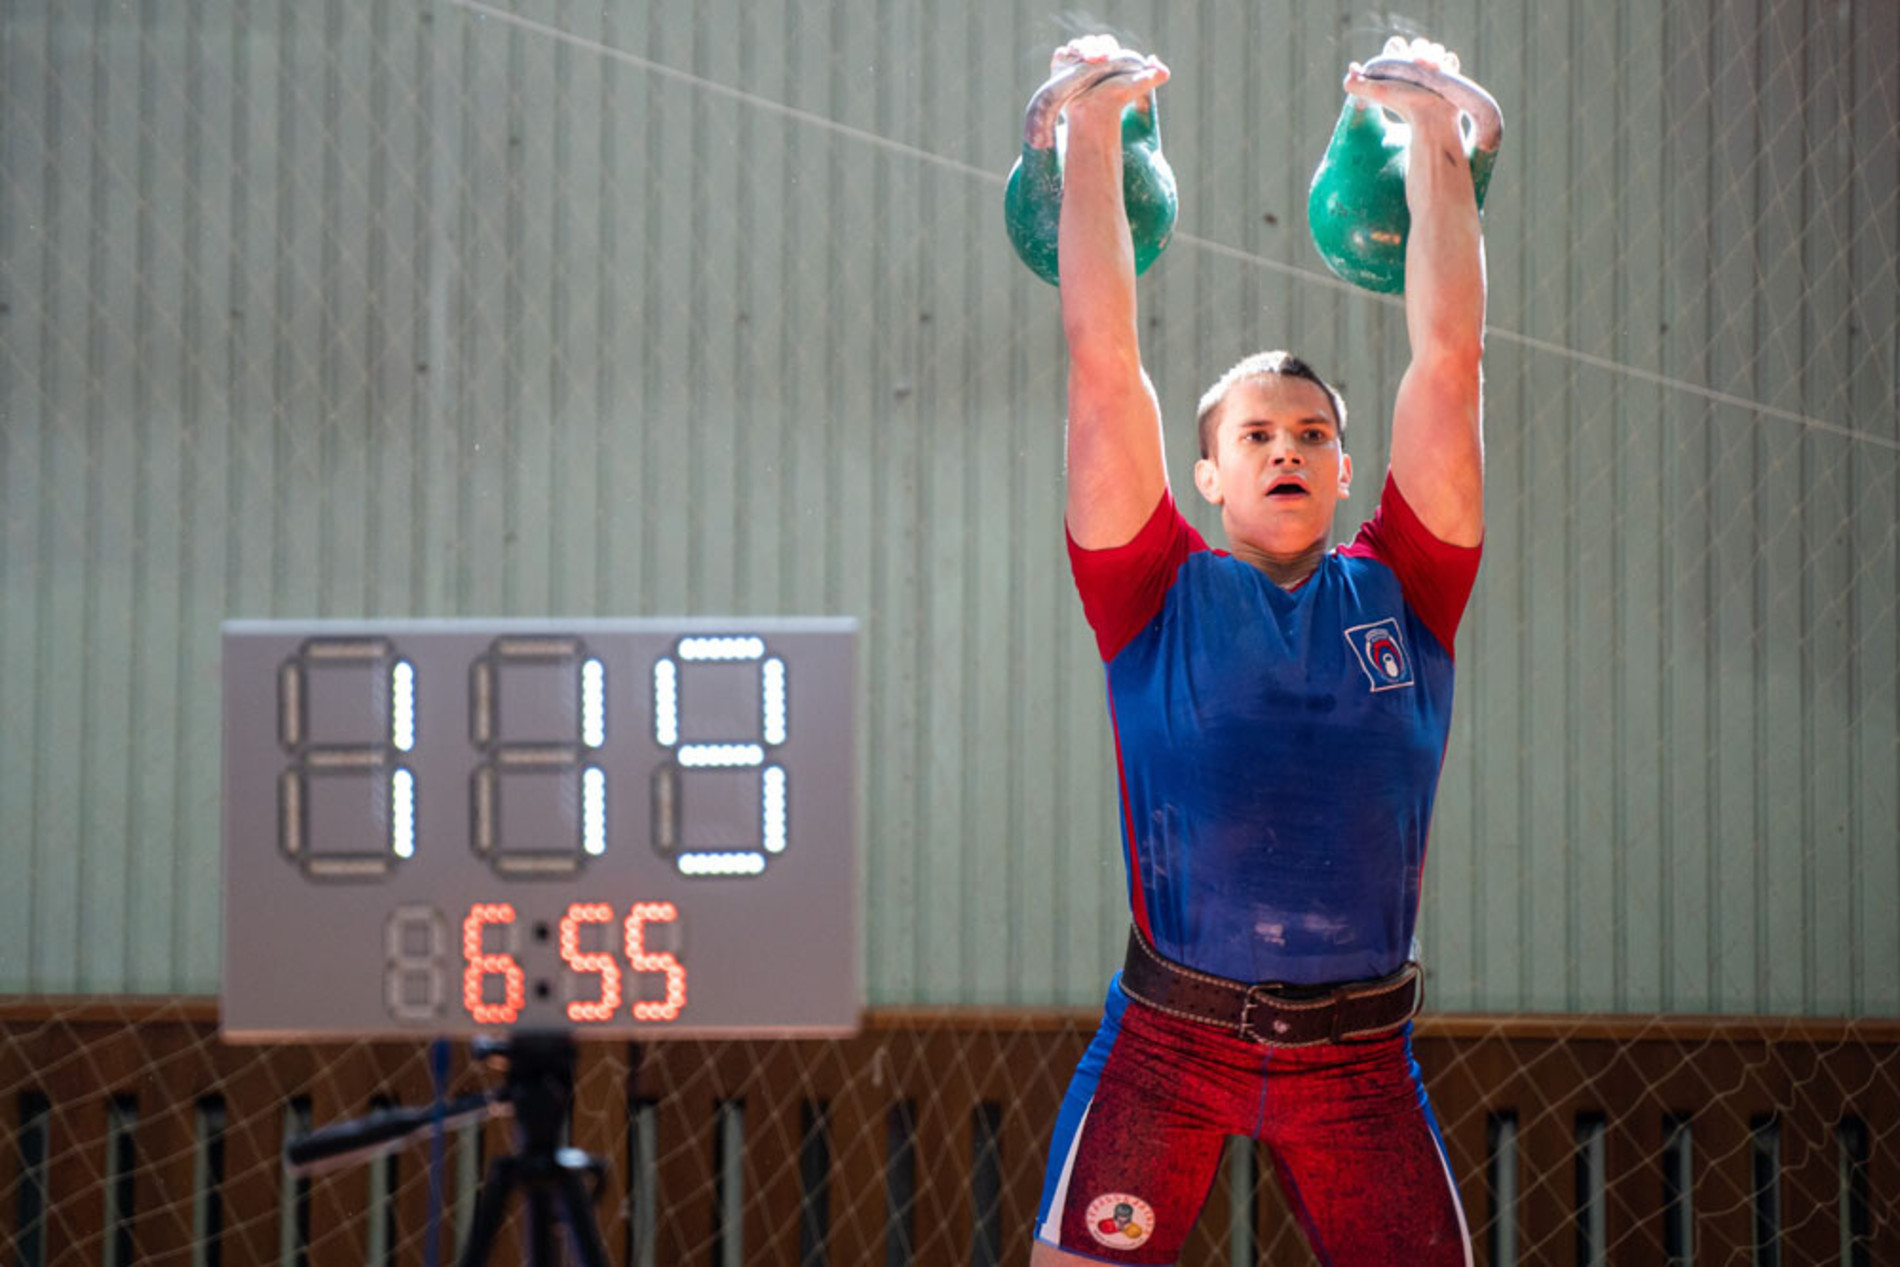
1486 118
1064 86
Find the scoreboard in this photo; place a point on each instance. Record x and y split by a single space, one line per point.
628 827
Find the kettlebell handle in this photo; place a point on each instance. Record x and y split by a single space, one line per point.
1487 120
1064 86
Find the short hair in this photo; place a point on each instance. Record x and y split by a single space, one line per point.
1259 365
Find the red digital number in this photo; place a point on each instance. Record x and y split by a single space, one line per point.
481 965
645 913
601 964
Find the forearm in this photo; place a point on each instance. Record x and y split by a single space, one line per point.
1444 254
1116 471
1094 245
1437 453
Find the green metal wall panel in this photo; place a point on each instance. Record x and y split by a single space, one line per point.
393 307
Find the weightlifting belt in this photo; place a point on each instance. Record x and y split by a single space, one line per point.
1273 1013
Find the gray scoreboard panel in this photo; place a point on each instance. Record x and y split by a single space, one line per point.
636 828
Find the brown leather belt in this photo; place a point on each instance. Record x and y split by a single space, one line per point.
1272 1013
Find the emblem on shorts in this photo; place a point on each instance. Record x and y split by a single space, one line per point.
1120 1221
1380 649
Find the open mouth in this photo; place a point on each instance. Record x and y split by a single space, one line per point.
1288 489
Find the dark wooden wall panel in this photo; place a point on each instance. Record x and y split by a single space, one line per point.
1726 1073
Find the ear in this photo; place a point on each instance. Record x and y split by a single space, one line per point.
1207 480
1345 476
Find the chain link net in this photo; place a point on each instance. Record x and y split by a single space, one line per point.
380 308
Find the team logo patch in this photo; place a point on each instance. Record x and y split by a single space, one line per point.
1380 649
1120 1221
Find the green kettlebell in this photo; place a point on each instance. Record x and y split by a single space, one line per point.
1032 202
1356 208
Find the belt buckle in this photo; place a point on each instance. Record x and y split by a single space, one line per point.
1255 995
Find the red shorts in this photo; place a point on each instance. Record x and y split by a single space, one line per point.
1138 1141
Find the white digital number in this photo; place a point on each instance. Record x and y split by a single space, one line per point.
323 763
720 752
514 759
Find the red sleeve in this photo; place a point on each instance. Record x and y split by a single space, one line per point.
1434 575
1124 586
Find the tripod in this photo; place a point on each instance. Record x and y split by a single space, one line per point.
541 1087
540 1091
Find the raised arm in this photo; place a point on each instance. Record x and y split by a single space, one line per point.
1116 470
1437 438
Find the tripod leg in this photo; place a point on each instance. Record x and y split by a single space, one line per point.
491 1210
577 1207
543 1224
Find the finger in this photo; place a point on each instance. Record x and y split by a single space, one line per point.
1393 94
1372 91
1432 53
1122 89
1085 49
1073 51
1358 81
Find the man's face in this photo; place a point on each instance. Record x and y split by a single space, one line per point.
1278 470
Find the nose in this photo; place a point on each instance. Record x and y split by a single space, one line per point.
1286 453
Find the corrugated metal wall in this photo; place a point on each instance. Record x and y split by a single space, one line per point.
401 308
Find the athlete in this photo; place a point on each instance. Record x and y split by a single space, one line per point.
1280 711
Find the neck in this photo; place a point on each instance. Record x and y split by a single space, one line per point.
1284 570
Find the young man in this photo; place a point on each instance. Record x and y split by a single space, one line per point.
1280 713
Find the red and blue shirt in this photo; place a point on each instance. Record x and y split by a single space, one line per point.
1278 750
